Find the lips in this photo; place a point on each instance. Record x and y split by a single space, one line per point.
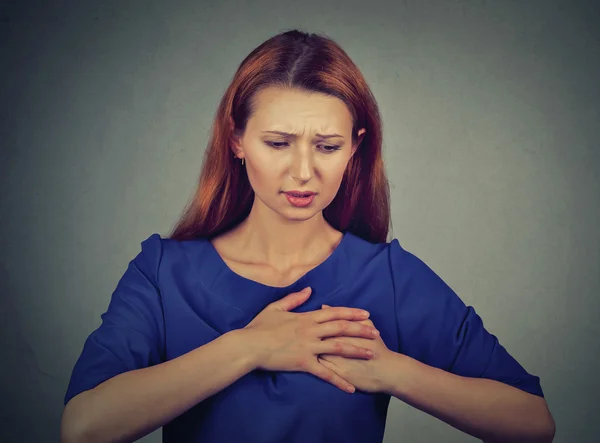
300 199
300 194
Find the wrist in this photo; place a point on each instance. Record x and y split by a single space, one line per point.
243 340
396 368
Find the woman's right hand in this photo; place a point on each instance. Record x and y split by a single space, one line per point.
288 341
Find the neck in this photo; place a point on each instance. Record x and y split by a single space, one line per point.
268 237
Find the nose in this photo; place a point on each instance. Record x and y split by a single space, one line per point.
301 168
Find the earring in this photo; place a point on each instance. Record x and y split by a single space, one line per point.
235 156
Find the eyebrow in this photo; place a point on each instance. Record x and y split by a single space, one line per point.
288 134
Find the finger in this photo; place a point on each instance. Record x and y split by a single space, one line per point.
338 313
337 347
292 300
367 322
338 328
330 365
327 374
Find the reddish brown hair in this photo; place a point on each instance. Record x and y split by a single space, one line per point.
309 62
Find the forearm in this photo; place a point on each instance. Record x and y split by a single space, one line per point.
486 409
133 404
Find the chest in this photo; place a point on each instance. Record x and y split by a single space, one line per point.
194 316
267 275
285 406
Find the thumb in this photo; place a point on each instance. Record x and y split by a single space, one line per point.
292 300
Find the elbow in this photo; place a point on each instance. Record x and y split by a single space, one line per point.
549 431
71 430
73 426
544 434
548 427
545 428
69 433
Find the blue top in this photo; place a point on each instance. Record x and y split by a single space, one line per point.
178 295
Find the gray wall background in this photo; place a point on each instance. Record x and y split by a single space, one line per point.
491 115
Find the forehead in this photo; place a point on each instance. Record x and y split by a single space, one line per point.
294 110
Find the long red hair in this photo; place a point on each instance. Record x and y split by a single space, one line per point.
310 62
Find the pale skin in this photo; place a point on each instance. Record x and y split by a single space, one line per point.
133 403
278 243
275 245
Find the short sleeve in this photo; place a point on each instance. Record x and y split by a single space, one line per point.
437 328
131 335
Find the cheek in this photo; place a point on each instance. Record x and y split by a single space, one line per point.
256 159
264 174
261 178
332 176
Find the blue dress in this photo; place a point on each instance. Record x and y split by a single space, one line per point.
178 295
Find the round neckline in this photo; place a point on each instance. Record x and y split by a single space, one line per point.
322 269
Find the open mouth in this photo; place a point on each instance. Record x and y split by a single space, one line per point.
300 194
300 199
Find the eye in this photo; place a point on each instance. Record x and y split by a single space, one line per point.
276 145
325 148
329 148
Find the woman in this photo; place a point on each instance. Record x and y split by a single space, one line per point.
247 324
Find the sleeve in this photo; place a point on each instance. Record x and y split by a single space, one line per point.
437 328
131 334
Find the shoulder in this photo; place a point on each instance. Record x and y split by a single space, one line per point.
410 274
382 260
420 289
156 251
359 247
400 260
405 264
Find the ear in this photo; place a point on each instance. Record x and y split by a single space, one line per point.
361 135
235 142
236 147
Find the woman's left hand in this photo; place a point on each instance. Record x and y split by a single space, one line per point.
365 375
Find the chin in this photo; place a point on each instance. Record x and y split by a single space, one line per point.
299 215
291 213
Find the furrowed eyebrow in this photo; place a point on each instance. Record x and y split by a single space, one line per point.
288 134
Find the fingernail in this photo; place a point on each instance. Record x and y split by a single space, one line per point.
364 313
375 332
370 353
350 389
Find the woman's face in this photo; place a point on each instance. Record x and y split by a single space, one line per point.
296 141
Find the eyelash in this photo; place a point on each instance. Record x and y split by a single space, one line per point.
332 148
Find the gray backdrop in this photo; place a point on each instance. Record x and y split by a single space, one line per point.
491 113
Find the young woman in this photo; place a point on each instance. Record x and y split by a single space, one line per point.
247 324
